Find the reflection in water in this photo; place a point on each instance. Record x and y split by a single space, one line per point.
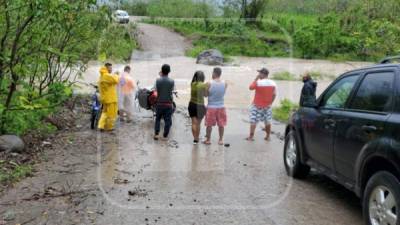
110 161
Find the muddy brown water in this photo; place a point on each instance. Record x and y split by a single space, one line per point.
88 177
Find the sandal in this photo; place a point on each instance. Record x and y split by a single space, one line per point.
206 142
249 139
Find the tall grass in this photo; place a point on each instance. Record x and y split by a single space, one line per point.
231 37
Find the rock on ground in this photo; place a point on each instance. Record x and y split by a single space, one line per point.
11 143
211 57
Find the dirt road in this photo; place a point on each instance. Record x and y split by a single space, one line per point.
158 42
88 177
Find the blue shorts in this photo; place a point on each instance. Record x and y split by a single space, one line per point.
260 115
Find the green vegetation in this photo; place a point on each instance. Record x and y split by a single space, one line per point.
333 29
285 75
231 37
11 172
316 75
44 47
118 42
170 8
137 8
284 111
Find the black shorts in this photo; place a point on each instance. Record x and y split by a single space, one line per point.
195 110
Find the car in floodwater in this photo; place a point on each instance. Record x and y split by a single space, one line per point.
120 16
351 133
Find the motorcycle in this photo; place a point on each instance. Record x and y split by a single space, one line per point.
147 98
95 108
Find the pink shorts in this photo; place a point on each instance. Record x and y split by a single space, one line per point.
216 117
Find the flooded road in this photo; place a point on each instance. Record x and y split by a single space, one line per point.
88 177
238 77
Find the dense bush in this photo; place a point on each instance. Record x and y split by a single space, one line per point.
180 9
138 8
285 75
283 112
117 43
45 46
365 40
321 39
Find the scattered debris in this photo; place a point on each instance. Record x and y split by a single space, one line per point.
173 144
278 135
46 144
51 192
121 181
138 192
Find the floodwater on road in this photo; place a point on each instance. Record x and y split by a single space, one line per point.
238 77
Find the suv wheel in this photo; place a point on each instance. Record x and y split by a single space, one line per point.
291 158
382 200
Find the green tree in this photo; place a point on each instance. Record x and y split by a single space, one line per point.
43 45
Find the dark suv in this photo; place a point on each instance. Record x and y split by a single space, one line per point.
351 133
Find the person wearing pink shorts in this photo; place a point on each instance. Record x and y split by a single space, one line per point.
216 113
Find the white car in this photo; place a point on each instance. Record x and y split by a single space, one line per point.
121 16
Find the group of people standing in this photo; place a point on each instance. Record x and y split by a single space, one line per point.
215 112
116 95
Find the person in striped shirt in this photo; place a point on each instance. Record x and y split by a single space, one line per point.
261 109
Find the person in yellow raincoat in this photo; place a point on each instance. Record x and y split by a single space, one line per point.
108 98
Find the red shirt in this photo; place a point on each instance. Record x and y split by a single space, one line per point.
265 92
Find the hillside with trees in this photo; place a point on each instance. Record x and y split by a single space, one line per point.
334 29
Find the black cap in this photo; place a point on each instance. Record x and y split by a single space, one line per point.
264 71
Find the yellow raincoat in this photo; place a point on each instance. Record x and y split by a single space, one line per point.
108 98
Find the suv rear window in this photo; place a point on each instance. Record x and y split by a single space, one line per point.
375 93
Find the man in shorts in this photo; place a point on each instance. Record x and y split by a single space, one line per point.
216 113
260 110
